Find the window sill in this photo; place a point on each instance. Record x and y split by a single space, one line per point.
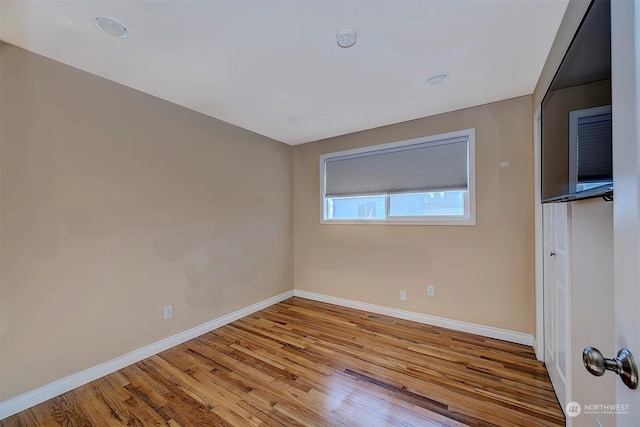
444 221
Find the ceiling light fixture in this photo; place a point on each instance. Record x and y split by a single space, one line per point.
437 78
112 27
346 37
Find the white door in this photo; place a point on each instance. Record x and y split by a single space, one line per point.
555 220
625 54
625 43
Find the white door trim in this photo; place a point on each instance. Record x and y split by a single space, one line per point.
538 235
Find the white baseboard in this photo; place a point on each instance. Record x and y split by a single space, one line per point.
24 401
538 350
27 400
486 331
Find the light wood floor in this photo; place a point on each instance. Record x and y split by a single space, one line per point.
301 362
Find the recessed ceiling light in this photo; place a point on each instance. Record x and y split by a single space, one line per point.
293 119
112 27
436 79
346 37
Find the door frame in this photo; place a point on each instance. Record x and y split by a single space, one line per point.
538 339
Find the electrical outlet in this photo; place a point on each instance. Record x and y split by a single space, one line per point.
403 295
431 290
168 312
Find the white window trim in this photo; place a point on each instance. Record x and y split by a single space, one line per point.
470 199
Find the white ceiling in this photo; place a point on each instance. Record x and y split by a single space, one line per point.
258 63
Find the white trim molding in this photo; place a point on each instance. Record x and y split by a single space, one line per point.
27 400
472 328
31 398
538 234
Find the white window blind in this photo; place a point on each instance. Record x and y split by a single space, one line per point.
428 180
418 168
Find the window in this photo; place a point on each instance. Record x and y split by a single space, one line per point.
428 180
590 159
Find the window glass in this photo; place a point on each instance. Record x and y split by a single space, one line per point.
356 207
433 203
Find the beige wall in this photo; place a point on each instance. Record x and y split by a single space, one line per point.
115 204
483 274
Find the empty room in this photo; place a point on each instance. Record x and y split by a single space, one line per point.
319 213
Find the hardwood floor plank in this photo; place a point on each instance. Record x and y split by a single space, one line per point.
301 362
62 410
